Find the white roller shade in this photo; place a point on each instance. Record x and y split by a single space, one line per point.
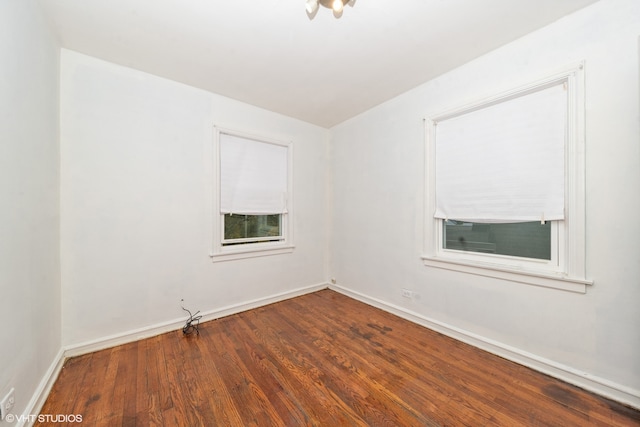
504 162
253 176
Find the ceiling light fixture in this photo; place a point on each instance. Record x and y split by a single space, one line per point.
336 5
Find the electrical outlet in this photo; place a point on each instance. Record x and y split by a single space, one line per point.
407 293
7 404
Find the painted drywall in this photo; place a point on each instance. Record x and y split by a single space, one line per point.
136 195
29 218
377 170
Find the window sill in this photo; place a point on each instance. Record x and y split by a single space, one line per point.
250 251
547 280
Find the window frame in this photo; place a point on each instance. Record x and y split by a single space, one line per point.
251 247
567 269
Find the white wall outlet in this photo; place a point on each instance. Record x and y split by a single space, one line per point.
407 293
6 404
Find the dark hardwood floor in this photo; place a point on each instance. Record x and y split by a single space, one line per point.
322 359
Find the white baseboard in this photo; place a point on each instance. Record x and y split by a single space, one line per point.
42 391
176 324
601 386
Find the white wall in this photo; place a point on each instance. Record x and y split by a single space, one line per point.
136 190
377 172
29 221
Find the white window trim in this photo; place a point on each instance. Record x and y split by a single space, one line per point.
256 249
569 271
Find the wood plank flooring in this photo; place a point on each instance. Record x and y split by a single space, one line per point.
321 359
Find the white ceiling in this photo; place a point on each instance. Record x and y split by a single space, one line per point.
271 54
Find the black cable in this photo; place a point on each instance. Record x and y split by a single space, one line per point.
193 322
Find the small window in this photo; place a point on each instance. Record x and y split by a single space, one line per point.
242 229
252 197
505 185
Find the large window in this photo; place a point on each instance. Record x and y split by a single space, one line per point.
520 239
505 185
252 201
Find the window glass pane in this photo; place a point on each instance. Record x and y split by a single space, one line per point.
251 226
522 239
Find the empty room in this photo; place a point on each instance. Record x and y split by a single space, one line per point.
233 213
